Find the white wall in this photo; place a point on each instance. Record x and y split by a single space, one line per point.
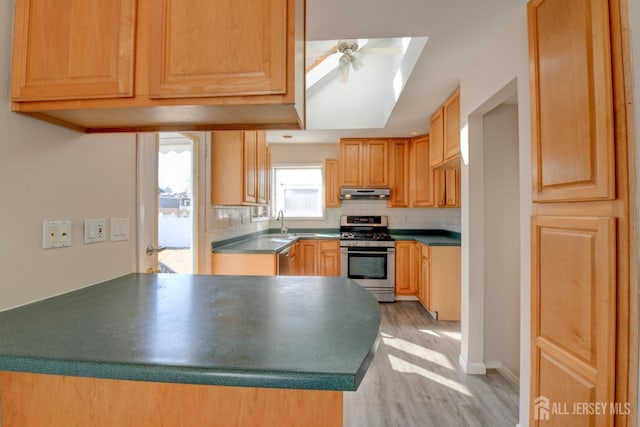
50 173
499 69
502 238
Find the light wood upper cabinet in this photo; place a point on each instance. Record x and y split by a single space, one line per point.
83 49
218 48
399 151
436 138
364 163
375 164
351 162
444 132
421 173
331 183
239 168
447 188
263 166
571 101
144 65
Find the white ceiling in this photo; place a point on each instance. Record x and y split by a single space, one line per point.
457 30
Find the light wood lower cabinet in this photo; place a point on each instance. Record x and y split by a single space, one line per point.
319 257
440 280
406 276
309 257
328 258
432 273
244 264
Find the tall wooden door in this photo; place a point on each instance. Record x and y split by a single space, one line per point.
375 163
79 49
579 247
351 162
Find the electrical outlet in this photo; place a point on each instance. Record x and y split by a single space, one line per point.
94 230
56 234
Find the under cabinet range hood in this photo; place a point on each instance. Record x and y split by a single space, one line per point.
365 194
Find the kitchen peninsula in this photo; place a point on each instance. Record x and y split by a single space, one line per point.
183 350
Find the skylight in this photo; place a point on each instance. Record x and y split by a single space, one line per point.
355 83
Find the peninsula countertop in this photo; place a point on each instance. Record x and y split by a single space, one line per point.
284 332
271 242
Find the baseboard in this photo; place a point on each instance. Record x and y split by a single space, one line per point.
509 375
471 368
406 298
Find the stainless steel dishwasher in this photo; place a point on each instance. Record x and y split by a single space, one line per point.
284 262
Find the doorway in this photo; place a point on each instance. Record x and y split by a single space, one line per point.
171 202
177 159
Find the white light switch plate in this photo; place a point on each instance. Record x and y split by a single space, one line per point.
119 229
95 230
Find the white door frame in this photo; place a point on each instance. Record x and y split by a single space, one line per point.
147 197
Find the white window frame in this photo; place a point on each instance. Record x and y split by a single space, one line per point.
274 212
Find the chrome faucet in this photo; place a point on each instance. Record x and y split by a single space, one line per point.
280 217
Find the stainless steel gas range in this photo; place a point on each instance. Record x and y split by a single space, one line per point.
367 254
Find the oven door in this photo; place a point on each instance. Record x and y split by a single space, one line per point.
369 266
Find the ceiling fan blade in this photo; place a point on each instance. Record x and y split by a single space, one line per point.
320 53
356 63
344 71
383 50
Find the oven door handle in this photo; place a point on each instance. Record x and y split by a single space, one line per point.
368 252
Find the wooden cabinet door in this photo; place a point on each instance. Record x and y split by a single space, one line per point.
436 138
452 192
218 48
451 109
262 168
404 274
293 259
351 163
439 188
573 303
399 173
250 158
580 253
425 276
329 258
375 163
331 184
79 49
421 173
308 260
572 133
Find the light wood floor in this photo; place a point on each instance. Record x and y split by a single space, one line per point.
415 379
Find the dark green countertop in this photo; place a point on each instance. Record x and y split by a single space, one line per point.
282 331
269 243
429 237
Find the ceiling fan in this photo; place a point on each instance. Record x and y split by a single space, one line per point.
350 58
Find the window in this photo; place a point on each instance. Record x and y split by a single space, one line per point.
298 191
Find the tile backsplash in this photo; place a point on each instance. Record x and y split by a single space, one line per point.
225 222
